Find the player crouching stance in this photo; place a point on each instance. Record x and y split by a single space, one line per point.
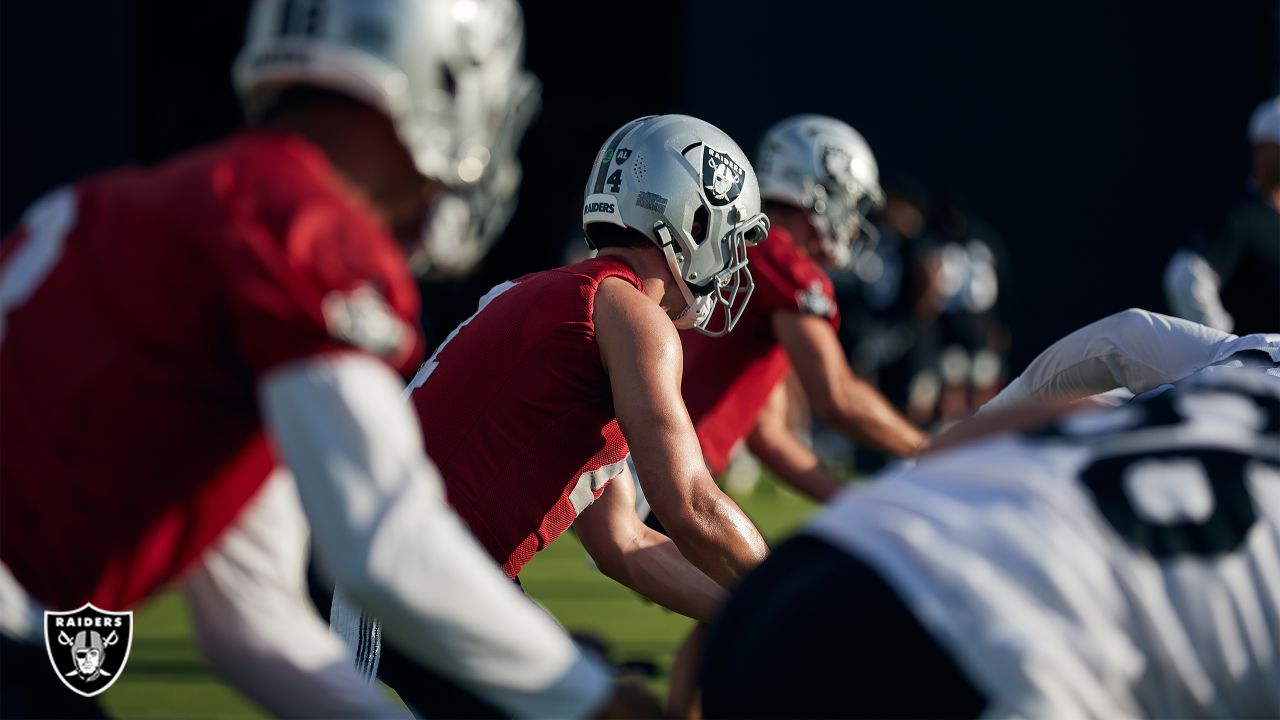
1120 562
158 324
531 406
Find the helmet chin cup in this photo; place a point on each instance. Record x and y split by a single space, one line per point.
686 319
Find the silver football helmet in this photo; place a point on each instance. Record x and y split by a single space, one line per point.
689 188
447 72
822 165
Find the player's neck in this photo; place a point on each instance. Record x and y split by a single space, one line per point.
651 267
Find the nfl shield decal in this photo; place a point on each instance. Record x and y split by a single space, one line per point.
88 647
721 176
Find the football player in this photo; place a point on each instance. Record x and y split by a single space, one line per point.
170 333
531 406
818 180
1112 562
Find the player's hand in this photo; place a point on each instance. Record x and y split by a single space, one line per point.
630 701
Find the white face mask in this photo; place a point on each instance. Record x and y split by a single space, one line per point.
843 227
731 287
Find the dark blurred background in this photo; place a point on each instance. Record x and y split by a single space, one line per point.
1094 136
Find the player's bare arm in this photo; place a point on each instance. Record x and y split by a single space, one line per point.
1001 420
627 550
840 398
641 352
775 445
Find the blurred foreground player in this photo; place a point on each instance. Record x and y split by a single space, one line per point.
818 180
159 322
1121 562
531 405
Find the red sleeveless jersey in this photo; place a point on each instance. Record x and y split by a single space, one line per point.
517 411
148 304
728 379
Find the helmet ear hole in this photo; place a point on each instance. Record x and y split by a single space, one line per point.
698 230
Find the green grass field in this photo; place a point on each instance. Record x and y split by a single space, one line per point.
166 679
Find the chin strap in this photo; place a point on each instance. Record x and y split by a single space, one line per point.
701 313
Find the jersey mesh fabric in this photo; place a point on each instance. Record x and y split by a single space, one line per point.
519 410
129 428
728 379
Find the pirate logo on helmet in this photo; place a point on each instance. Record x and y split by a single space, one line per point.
721 177
88 647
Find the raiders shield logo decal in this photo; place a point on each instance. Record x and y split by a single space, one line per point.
721 176
88 647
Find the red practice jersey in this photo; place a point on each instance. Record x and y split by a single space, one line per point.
728 379
141 306
517 411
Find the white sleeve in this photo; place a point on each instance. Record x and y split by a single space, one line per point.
380 523
1136 350
1191 287
255 624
